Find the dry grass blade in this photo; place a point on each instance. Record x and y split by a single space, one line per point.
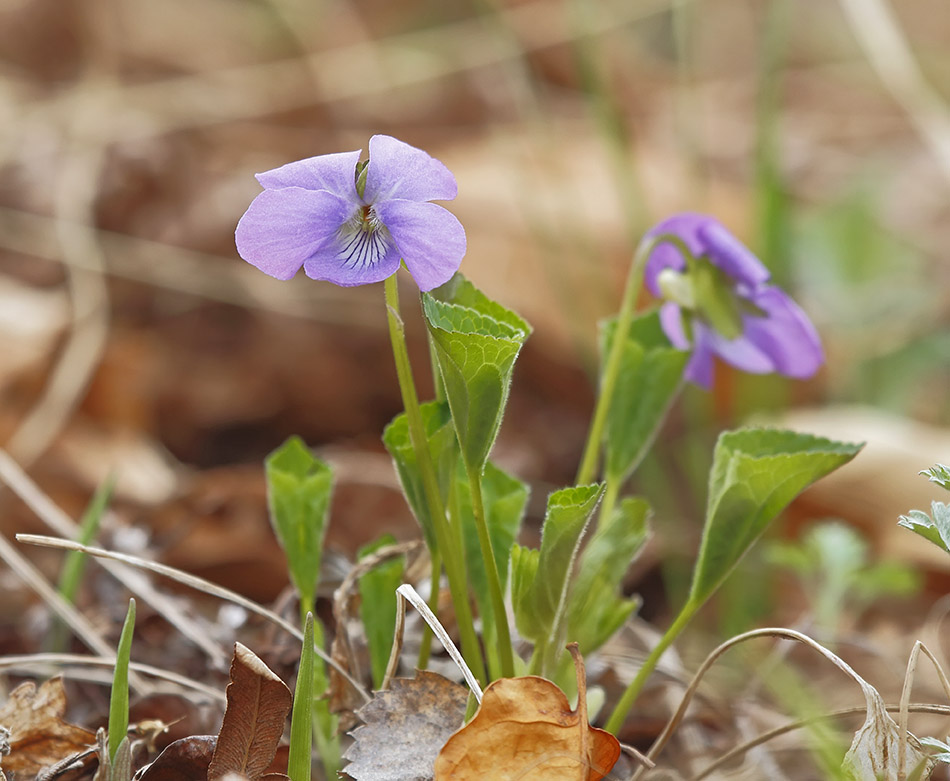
51 660
13 475
192 581
765 737
919 648
790 634
408 593
76 621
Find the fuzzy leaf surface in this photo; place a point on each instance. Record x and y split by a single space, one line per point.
477 341
651 373
755 474
934 527
597 607
540 581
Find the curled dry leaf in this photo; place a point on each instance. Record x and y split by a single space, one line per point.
406 727
258 704
525 730
38 735
183 760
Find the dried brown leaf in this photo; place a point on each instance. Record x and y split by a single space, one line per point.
38 735
183 760
525 729
258 703
406 727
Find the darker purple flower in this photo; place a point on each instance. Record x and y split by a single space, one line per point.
719 302
351 225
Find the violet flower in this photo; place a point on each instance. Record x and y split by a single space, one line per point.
350 224
719 302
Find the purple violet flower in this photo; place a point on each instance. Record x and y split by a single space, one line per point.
719 303
351 224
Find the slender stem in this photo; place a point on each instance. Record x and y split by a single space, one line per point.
425 647
450 553
609 502
491 570
622 708
588 468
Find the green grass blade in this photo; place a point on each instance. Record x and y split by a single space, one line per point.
119 701
301 717
75 561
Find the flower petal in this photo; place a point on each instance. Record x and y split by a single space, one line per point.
431 239
397 170
741 352
336 173
785 334
360 258
731 255
671 320
685 226
282 228
699 370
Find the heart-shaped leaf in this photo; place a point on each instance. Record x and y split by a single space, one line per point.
755 474
476 343
651 374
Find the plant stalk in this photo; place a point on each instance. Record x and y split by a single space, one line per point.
451 555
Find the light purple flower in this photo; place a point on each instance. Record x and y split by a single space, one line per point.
312 214
773 335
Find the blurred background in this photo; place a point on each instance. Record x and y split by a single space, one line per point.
133 339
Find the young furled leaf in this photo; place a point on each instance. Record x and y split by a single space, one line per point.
934 527
378 605
298 496
939 474
477 341
540 579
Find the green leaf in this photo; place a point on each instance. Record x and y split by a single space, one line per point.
540 579
597 608
119 699
299 486
651 373
378 605
505 498
935 527
939 474
756 473
301 716
476 341
437 421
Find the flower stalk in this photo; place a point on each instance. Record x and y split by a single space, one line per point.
448 549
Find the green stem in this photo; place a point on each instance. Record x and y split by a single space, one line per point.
425 647
609 502
491 570
616 720
588 468
450 552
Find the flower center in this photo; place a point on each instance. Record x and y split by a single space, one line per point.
364 239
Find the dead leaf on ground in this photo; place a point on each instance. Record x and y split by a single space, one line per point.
38 735
406 727
525 730
258 704
183 760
